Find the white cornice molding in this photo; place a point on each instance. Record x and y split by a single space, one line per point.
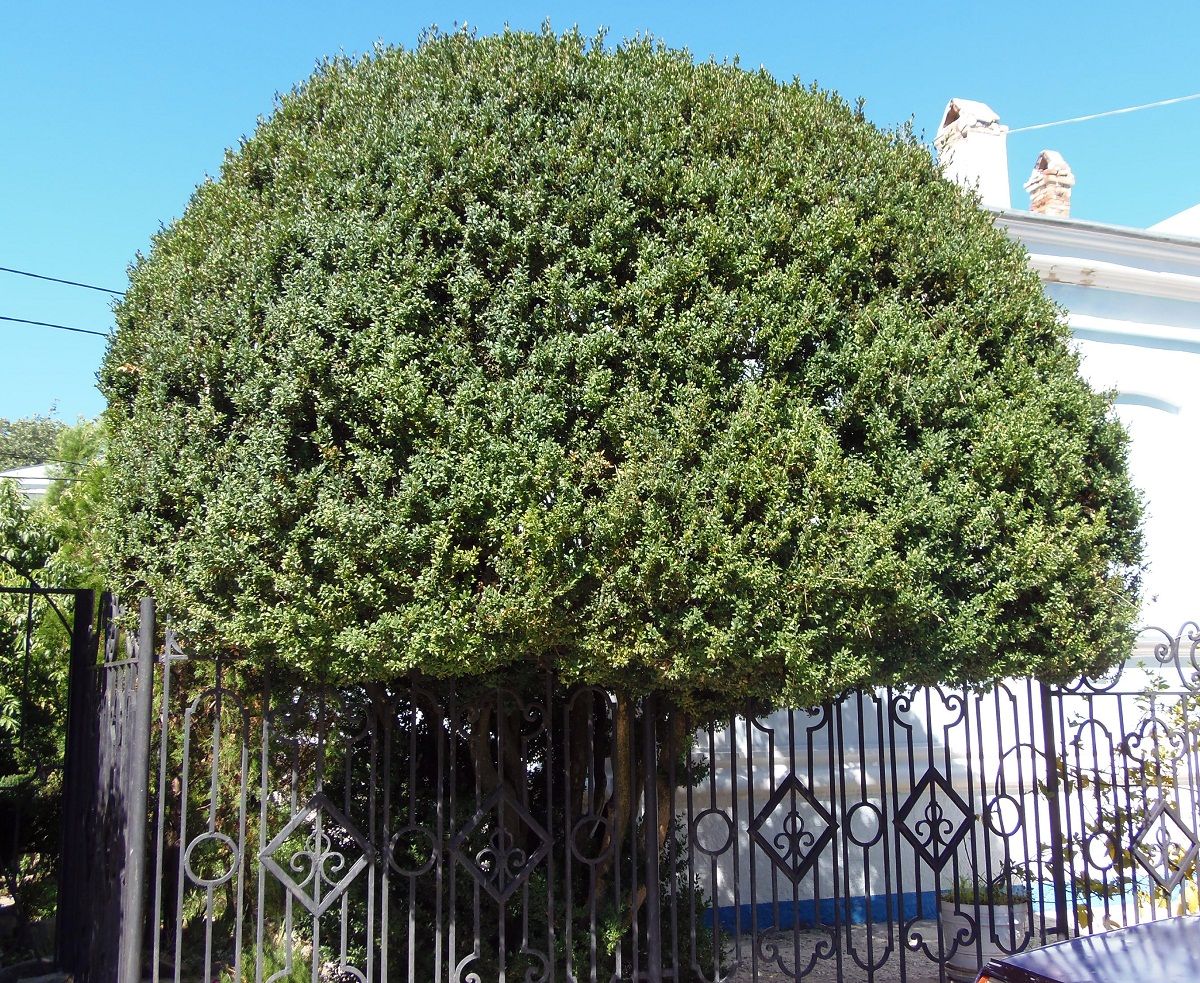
1115 276
1107 257
1121 241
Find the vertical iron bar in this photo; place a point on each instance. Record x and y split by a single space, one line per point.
1038 838
387 852
837 779
736 855
750 859
902 922
437 727
568 831
130 951
1189 745
631 770
1057 858
1120 780
263 799
71 921
1119 786
650 828
931 765
985 930
893 901
243 804
673 846
181 877
372 834
552 912
505 838
868 882
835 727
214 792
795 909
160 820
447 867
635 871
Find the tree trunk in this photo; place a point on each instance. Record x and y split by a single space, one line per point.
619 810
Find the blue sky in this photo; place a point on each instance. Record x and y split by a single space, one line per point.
112 113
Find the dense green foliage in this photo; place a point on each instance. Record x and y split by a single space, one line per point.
29 440
49 543
523 351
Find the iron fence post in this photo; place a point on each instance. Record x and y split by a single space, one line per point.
71 922
1058 871
654 971
133 887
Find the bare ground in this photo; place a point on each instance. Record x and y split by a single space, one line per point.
812 955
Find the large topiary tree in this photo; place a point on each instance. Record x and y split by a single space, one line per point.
524 351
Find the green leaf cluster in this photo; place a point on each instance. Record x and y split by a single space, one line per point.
29 440
47 543
528 350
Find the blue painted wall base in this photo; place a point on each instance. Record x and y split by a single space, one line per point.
809 913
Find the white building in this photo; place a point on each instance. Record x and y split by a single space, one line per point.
32 481
1132 298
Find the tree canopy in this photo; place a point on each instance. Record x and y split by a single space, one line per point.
29 440
47 543
530 351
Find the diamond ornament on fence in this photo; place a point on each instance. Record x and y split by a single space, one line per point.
501 866
796 848
1152 845
933 831
321 863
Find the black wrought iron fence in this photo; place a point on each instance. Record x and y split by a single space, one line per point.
1128 765
40 628
437 832
412 832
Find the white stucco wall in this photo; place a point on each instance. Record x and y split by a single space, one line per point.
1133 303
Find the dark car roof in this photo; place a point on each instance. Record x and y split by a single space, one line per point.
1155 952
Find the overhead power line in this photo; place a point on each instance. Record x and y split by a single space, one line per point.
48 477
1110 112
69 283
25 462
60 327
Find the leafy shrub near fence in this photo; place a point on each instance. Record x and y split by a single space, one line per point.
1134 847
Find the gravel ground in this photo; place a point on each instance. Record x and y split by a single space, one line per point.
918 967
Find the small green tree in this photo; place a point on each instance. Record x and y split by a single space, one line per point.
522 352
28 440
46 543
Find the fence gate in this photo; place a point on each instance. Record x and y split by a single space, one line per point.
403 832
105 808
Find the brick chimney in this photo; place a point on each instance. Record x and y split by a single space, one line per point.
972 149
1050 185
